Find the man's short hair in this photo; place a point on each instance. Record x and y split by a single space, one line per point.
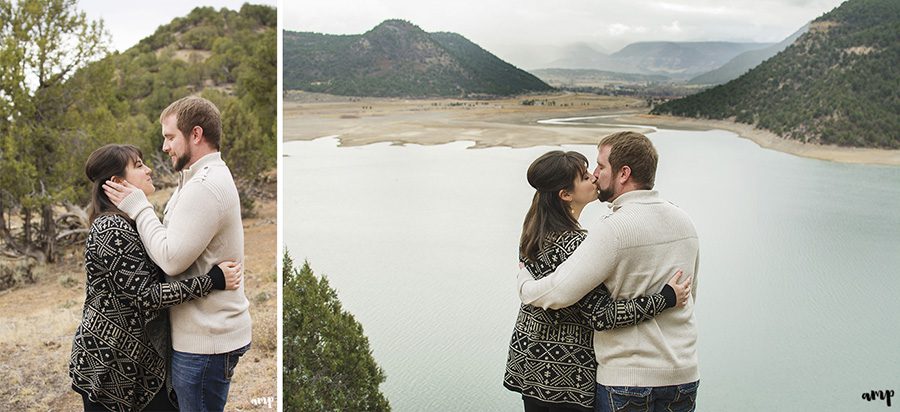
634 150
193 111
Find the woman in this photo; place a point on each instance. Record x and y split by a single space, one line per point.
121 350
551 357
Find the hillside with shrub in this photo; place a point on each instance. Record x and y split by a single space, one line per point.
59 103
836 84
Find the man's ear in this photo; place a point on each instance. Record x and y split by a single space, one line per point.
196 134
565 195
624 174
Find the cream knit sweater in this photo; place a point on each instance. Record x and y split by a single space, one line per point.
201 228
634 251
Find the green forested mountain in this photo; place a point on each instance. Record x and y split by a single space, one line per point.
397 58
837 84
62 95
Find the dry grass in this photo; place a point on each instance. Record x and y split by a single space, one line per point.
495 122
37 323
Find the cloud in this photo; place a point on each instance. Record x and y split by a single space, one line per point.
688 9
672 28
618 29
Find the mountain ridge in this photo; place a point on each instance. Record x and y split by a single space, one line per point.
745 61
397 58
674 59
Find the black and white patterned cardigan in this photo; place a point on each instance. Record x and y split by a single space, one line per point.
551 354
115 360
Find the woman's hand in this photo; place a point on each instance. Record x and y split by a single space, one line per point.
234 274
682 291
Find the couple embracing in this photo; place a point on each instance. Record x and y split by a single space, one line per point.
607 317
165 316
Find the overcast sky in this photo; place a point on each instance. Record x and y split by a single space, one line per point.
526 31
129 22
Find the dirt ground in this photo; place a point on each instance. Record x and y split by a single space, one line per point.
38 321
508 122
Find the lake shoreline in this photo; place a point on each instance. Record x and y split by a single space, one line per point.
508 123
769 140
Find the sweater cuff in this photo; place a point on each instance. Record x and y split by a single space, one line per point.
669 294
523 277
218 278
134 203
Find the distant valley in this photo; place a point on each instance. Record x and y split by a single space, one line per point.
833 81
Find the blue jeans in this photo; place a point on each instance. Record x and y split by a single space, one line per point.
201 381
675 398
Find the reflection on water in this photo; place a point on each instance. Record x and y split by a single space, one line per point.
797 289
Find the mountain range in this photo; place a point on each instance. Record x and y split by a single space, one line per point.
674 59
397 58
745 61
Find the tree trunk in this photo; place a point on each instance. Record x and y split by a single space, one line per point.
3 227
6 236
48 229
26 225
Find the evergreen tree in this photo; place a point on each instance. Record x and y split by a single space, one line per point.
44 43
327 363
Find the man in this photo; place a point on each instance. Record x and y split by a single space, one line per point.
633 251
201 228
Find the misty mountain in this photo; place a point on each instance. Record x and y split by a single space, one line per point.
674 59
397 58
746 61
837 84
580 56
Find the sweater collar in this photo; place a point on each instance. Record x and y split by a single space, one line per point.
208 160
635 196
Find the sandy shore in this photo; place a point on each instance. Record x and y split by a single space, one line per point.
509 122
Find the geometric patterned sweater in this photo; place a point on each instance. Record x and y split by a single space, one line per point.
115 360
551 353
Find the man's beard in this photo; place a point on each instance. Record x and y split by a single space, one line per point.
182 161
605 195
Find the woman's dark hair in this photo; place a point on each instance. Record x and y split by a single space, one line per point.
548 174
104 163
